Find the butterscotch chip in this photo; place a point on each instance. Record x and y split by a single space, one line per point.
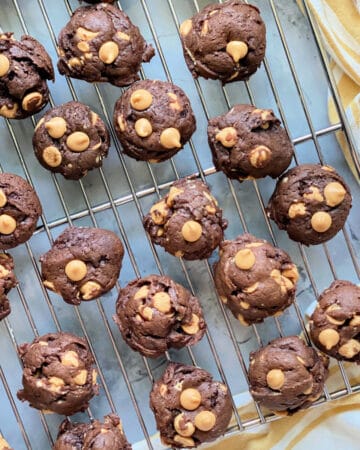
7 224
159 212
191 231
3 199
92 273
334 193
317 221
56 127
115 44
52 156
260 156
334 324
254 279
224 41
293 387
155 314
227 136
25 68
193 415
68 388
158 111
78 141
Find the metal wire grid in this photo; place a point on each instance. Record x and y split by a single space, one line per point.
134 199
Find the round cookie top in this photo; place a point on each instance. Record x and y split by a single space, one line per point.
311 202
248 142
335 323
71 139
24 68
3 444
7 281
287 375
155 314
190 408
83 263
19 210
224 41
58 373
187 222
107 435
153 120
254 279
100 43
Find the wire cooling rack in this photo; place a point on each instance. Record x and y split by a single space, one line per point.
294 81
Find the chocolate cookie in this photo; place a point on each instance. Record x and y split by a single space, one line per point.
153 120
248 142
24 68
19 210
155 313
287 375
189 407
311 202
224 41
187 222
58 373
254 279
98 1
107 435
71 139
335 323
4 445
100 43
7 281
83 263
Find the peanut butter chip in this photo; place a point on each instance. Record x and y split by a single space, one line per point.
314 194
355 321
3 199
146 313
184 441
52 156
56 384
260 156
141 99
190 399
78 141
9 113
3 444
205 420
108 52
321 221
350 349
170 138
159 212
291 273
193 326
237 50
7 224
250 290
329 338
245 259
123 36
143 127
76 270
121 122
4 65
83 46
191 231
32 101
162 302
182 427
227 136
85 35
297 209
174 192
90 290
70 359
163 390
334 193
56 127
174 104
185 27
275 379
142 292
80 378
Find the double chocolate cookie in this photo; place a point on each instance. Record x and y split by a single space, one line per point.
4 445
254 279
19 210
24 68
58 373
335 323
248 142
71 139
7 281
155 313
187 222
107 435
224 41
100 43
153 120
83 264
189 407
311 203
287 375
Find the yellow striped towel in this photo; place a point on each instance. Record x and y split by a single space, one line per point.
339 24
